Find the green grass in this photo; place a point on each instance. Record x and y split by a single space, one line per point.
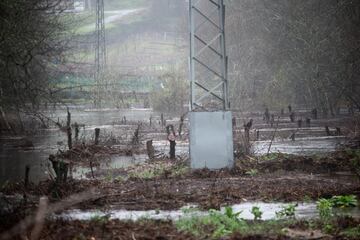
217 225
287 211
352 233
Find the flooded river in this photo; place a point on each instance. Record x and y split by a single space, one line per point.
16 153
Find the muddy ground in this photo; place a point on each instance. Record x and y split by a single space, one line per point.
280 177
172 185
161 230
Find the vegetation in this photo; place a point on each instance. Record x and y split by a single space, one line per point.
324 207
221 224
287 211
256 212
344 201
172 94
297 57
32 46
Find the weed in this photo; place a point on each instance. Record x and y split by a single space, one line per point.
100 219
252 172
328 228
344 201
354 156
256 212
109 177
307 199
217 223
229 212
353 233
189 209
272 156
179 170
119 179
324 206
287 211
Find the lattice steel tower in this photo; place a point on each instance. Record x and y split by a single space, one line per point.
208 60
100 45
211 136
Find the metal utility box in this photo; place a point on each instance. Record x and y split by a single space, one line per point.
211 140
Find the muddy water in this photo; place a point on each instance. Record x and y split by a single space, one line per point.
14 156
302 146
114 162
303 211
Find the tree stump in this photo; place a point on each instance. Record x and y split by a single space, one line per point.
171 138
76 132
181 125
299 122
61 169
97 134
314 113
327 130
292 117
68 129
150 149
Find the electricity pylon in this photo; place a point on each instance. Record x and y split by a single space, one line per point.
208 60
100 48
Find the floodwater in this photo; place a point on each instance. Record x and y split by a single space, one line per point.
14 157
302 211
301 146
114 162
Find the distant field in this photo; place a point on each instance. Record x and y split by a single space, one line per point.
124 4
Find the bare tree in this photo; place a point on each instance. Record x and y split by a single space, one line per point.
33 41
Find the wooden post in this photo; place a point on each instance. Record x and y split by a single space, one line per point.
314 113
299 123
327 130
162 119
136 138
267 116
27 171
150 149
181 125
247 128
68 129
338 131
76 132
61 169
171 137
272 121
97 134
292 137
292 117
